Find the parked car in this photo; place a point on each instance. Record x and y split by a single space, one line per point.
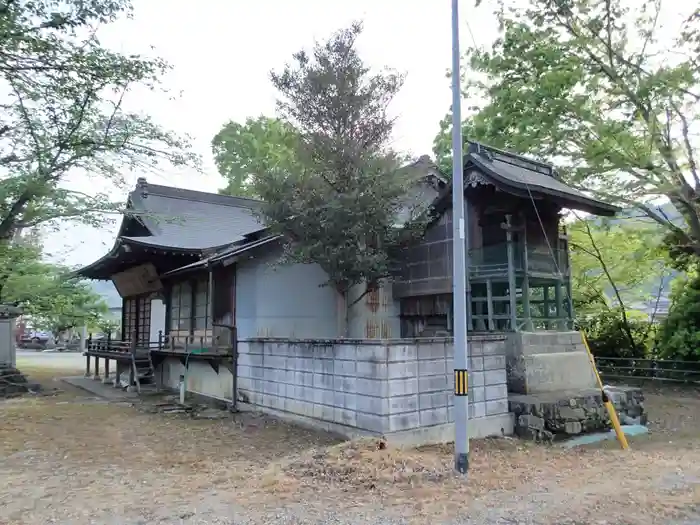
35 338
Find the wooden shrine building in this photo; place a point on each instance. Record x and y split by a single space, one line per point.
198 274
518 254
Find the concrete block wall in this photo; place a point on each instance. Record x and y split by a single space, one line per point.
380 387
488 391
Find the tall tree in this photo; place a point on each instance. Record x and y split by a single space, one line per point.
336 199
262 145
63 112
610 94
616 263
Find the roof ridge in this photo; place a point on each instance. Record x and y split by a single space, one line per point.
512 158
173 192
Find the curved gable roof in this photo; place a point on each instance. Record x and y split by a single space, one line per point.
526 176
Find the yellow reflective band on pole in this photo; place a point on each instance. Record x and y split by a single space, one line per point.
461 382
608 404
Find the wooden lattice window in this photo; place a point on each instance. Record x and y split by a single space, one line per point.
144 320
137 319
130 318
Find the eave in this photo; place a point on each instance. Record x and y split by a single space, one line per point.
223 258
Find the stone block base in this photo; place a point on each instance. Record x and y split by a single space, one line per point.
14 383
553 416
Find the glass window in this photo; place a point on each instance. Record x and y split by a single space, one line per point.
174 318
185 294
180 309
186 315
201 310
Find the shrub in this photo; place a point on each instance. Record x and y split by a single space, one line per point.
679 335
607 334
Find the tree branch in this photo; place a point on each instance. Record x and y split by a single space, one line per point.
599 257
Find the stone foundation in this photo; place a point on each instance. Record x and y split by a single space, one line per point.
554 416
12 382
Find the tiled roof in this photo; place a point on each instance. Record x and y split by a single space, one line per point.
530 176
191 220
179 220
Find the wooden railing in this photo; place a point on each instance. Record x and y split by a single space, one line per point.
164 343
493 260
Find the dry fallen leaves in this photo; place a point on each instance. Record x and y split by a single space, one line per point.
73 459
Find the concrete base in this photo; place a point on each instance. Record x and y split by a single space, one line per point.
479 428
483 427
540 362
98 389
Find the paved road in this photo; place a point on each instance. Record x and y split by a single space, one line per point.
67 360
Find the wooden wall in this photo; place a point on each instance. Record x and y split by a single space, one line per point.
427 268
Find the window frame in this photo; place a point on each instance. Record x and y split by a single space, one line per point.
195 302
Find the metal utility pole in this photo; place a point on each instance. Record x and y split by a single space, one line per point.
459 269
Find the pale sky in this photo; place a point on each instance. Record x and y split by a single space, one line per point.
222 52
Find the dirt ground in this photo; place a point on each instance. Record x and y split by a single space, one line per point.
73 459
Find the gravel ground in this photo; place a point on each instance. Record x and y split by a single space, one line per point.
74 460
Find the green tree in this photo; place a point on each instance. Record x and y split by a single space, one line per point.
332 188
108 325
679 336
615 267
615 263
63 112
48 293
610 94
260 146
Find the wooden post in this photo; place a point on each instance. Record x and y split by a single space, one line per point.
132 373
511 274
479 324
106 375
545 305
160 339
468 285
489 305
560 305
88 347
209 319
97 368
570 301
118 372
234 366
526 286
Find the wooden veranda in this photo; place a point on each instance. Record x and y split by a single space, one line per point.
141 359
